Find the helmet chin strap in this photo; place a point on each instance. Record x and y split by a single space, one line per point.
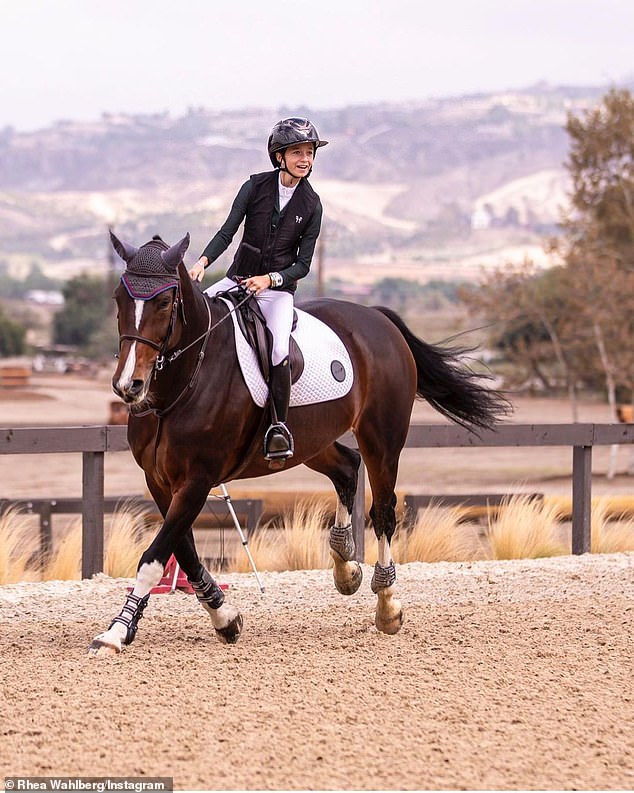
282 167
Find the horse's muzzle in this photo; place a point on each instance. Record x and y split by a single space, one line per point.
132 392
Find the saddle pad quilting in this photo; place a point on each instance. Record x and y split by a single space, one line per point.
327 366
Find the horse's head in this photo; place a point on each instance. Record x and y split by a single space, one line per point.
147 302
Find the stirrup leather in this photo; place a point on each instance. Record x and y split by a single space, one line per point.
278 442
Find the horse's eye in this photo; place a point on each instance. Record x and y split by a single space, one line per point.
164 303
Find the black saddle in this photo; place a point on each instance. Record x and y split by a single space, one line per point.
254 329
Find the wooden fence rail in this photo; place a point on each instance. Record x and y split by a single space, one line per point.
94 441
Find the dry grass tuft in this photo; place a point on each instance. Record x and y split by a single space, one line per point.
298 540
371 546
125 541
64 563
265 547
525 528
437 536
14 551
610 536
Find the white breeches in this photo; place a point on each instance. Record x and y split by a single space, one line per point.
277 308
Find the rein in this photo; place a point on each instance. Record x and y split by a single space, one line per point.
206 334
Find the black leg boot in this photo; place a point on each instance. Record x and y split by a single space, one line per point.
278 441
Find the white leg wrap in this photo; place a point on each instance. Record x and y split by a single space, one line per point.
221 617
342 516
385 554
340 538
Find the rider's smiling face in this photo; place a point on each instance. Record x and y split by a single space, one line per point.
299 159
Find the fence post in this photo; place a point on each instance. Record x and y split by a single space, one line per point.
581 499
46 530
358 516
92 513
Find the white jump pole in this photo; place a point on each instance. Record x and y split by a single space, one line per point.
243 539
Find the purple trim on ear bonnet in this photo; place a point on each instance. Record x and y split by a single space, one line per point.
139 290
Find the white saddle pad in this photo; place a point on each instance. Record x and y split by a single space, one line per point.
327 366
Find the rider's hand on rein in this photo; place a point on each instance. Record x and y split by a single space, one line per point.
256 283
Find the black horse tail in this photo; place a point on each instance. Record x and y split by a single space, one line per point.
452 389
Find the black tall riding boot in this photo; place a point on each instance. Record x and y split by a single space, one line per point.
278 441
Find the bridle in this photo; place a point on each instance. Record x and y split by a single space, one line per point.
160 347
163 346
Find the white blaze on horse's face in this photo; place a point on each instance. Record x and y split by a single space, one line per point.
127 365
130 361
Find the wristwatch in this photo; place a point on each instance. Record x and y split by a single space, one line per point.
276 280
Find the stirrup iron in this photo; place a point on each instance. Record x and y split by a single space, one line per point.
278 442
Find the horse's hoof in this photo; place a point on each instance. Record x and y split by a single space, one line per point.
349 583
98 649
231 632
390 623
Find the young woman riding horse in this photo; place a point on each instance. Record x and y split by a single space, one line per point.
282 215
194 424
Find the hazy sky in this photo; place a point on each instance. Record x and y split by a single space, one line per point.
78 58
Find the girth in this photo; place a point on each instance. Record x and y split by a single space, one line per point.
252 323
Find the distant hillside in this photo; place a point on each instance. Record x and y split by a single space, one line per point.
421 190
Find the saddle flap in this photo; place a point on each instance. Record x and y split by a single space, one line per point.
253 326
327 369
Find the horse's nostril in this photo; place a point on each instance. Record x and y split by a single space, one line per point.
128 391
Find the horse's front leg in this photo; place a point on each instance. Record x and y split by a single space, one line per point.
175 535
123 627
226 619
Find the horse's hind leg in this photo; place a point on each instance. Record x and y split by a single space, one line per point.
382 466
341 465
389 613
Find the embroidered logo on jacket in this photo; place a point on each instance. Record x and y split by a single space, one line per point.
298 218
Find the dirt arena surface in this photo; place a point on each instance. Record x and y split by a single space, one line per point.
505 675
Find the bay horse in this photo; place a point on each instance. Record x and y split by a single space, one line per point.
193 424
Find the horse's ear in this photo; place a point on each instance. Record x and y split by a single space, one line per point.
125 251
174 255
